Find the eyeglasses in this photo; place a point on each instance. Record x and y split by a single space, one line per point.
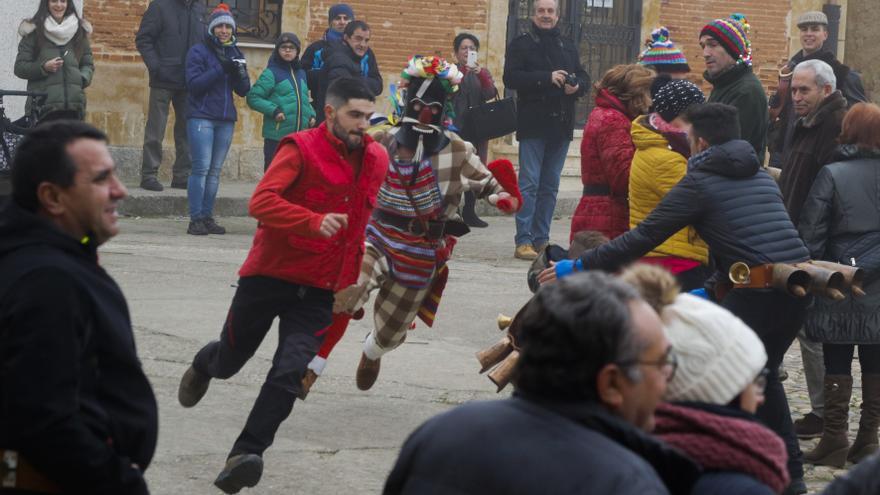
761 380
667 363
286 48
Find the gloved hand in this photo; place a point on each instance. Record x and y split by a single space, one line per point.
701 292
228 65
565 268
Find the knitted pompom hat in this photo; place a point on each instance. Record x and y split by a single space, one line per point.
675 97
733 34
718 355
220 15
662 54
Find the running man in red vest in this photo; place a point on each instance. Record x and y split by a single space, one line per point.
416 221
312 205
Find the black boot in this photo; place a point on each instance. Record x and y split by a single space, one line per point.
468 214
866 440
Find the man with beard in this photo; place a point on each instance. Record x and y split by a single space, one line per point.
416 222
312 206
813 27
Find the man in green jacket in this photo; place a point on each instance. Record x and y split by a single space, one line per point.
728 54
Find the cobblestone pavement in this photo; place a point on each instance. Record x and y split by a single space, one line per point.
817 477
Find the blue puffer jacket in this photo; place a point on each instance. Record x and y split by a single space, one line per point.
732 203
209 88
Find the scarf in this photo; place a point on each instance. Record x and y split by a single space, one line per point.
62 33
722 442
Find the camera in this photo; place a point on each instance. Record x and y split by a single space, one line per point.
571 79
241 68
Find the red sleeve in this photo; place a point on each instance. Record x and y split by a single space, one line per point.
268 205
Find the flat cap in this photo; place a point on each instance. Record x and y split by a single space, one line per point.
812 17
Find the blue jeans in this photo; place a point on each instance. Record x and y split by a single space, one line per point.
209 141
540 165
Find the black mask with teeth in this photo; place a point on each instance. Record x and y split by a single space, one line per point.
422 121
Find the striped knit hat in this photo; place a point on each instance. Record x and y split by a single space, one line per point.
733 34
662 54
220 15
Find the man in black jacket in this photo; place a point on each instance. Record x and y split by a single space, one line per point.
315 56
813 27
167 31
352 58
76 410
736 207
594 364
820 109
545 70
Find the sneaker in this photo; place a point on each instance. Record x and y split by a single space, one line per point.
193 386
243 470
810 426
151 184
525 252
212 226
180 183
197 227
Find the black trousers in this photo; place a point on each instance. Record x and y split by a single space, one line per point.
303 311
270 146
776 317
838 358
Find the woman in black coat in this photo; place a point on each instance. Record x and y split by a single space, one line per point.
841 222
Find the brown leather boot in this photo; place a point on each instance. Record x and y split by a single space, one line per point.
309 379
367 372
834 444
866 440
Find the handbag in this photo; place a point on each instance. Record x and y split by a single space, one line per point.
489 120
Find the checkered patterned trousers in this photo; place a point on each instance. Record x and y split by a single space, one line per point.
396 306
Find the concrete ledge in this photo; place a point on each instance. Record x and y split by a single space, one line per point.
233 198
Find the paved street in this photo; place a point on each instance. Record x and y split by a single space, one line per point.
340 440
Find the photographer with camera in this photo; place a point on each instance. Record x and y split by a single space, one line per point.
545 70
214 69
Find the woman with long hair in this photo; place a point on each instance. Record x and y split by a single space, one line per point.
840 222
55 57
607 149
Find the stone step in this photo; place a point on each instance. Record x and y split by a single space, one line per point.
233 197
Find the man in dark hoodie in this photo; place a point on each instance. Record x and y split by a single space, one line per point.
813 27
315 56
737 209
77 414
168 30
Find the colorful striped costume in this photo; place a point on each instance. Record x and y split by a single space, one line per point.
409 270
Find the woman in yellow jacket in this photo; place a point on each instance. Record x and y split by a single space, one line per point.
659 162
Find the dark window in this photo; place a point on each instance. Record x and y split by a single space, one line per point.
257 20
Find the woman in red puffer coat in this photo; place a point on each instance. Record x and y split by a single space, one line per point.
607 149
